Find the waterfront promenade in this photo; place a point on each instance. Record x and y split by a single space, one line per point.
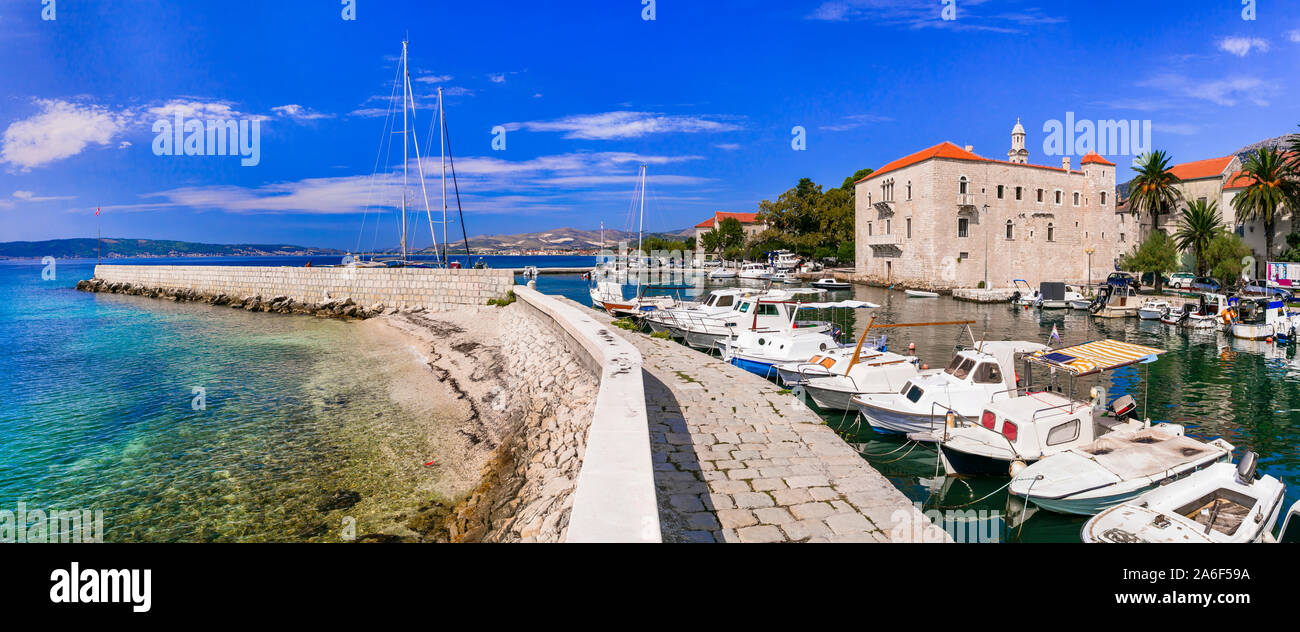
738 459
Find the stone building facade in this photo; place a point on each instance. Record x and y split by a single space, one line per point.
946 217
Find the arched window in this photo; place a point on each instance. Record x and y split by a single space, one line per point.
1058 196
963 185
1076 198
1010 230
1051 232
909 189
1103 198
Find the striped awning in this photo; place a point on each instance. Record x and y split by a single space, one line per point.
1096 356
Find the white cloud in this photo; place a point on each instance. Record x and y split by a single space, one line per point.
854 121
1242 46
728 146
28 196
62 129
623 124
1227 91
433 78
1293 35
299 113
917 14
497 78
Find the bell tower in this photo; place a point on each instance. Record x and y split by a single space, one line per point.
1018 153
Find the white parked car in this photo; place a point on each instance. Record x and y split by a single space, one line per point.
1181 280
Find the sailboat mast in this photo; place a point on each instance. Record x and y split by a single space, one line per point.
442 136
405 133
641 223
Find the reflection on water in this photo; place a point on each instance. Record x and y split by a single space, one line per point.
1247 392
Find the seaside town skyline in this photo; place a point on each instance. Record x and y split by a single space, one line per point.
541 143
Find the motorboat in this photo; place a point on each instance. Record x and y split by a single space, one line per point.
833 385
766 310
921 294
783 260
1024 296
1220 504
722 272
1177 313
832 362
785 276
619 307
1115 301
715 303
1153 309
1262 318
1049 295
1081 304
965 387
755 271
759 349
829 283
606 291
1116 468
1211 312
1029 422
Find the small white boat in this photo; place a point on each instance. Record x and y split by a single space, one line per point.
1222 503
759 350
965 387
1262 318
1081 304
755 271
1210 313
784 260
1153 309
1176 314
1115 301
1014 431
785 276
921 294
769 309
722 272
829 283
717 303
1115 469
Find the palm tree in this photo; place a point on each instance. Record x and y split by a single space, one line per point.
1272 183
1199 223
1155 188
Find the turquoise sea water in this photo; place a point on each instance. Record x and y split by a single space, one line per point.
1246 392
98 411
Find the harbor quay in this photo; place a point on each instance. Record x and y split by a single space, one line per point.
738 459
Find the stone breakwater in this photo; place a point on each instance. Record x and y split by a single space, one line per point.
333 308
533 400
400 288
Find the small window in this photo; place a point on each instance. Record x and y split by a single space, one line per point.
963 185
1064 433
1076 198
889 227
1019 190
767 309
1011 234
725 300
1000 187
869 233
909 228
914 394
909 189
963 227
744 307
988 373
964 370
1058 197
954 365
1103 198
1040 195
1051 232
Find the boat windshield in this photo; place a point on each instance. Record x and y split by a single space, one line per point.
911 392
960 367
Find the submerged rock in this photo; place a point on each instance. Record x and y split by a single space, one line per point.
341 499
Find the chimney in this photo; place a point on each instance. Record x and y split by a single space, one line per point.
1065 163
970 148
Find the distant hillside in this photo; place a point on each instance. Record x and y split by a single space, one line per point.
563 239
116 248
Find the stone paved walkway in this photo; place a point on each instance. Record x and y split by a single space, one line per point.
738 459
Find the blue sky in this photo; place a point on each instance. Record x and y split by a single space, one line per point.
707 94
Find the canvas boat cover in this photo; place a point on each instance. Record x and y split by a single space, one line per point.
1096 356
1149 453
1052 290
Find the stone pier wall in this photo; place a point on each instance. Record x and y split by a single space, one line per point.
432 289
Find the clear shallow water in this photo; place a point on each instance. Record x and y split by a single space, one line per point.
1246 392
96 412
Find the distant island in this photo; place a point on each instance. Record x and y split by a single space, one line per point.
119 248
557 241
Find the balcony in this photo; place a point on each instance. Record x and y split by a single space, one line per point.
885 240
966 202
885 208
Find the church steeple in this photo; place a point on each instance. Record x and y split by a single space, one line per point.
1018 153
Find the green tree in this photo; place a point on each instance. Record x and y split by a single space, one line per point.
733 233
711 241
1199 224
1224 257
1157 255
1155 188
1272 182
851 180
690 243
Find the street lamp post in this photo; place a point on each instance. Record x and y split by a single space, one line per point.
1090 251
987 228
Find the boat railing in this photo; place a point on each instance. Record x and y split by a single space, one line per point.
960 420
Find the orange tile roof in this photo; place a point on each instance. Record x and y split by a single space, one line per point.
1239 180
942 150
1094 157
1209 168
743 218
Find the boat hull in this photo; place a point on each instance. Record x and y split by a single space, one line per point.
967 464
897 422
757 367
1087 506
1147 314
830 398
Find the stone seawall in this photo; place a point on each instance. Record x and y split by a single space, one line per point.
431 289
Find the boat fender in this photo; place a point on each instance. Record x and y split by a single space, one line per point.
1017 466
1246 468
950 419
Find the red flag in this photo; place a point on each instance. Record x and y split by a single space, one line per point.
96 211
